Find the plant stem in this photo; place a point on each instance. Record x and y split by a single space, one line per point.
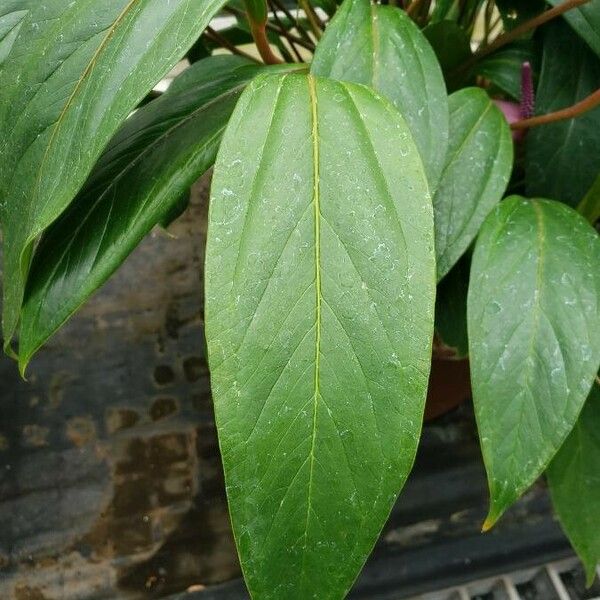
591 101
290 36
297 24
223 41
259 33
517 32
313 19
280 23
414 5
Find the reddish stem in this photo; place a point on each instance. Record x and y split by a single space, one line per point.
588 103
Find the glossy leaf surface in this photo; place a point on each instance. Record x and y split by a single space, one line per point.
585 20
562 158
476 173
534 337
12 15
95 62
140 179
320 284
380 46
574 480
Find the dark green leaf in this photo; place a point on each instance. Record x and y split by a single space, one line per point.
451 308
562 158
178 207
381 46
574 479
151 162
475 176
585 20
503 67
534 337
452 47
92 63
319 317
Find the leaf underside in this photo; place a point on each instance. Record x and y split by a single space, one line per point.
534 337
380 46
319 316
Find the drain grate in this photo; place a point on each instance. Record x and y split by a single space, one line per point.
562 580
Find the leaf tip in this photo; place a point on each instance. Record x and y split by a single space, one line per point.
590 573
492 518
487 525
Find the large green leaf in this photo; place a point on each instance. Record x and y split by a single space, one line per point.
585 20
93 62
475 175
141 177
381 46
534 337
574 479
320 284
562 158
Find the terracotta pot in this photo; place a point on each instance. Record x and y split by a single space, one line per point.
449 384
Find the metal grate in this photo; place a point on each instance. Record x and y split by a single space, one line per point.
562 580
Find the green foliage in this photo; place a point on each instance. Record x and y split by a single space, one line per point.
338 198
585 20
319 317
131 189
381 47
534 337
562 158
480 145
99 61
574 479
503 68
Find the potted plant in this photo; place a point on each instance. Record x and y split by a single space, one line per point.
348 185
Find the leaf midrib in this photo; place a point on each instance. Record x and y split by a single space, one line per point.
317 216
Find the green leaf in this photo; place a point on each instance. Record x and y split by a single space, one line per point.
452 47
95 62
477 170
589 206
381 46
585 20
12 15
139 180
534 337
562 158
503 67
574 480
451 308
320 293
